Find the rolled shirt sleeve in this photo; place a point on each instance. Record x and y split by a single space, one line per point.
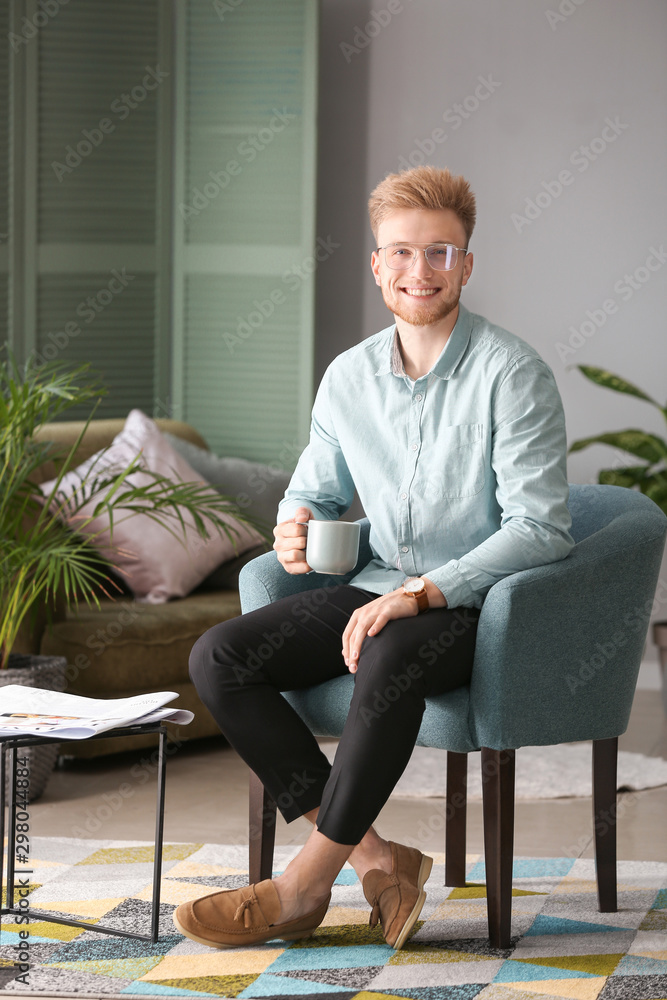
322 480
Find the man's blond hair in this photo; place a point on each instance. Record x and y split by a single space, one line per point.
423 187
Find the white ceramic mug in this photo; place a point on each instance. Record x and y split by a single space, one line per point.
333 546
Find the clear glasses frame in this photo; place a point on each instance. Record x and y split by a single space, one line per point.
439 256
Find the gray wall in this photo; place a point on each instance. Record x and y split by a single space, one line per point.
554 82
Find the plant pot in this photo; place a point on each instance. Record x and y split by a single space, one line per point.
660 639
38 672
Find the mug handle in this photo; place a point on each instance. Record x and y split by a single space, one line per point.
305 525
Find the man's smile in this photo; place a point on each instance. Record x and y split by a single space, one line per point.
420 292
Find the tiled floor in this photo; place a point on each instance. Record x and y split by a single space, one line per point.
206 801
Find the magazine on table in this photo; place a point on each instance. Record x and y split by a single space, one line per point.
28 711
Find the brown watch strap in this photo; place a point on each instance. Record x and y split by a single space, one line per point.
422 601
420 596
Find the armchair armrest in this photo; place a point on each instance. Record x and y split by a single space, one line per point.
263 580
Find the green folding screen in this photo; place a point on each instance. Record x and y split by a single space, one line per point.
245 232
164 207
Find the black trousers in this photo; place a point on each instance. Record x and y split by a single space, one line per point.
240 667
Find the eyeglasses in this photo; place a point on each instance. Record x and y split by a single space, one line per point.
439 256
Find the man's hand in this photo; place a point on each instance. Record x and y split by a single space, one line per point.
290 542
372 618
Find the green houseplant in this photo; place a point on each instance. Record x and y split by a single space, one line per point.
650 476
42 561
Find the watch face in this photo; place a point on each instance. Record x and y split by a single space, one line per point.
414 586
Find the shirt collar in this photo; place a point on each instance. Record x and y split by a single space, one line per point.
448 361
397 366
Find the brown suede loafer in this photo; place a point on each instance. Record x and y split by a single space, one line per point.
397 898
234 918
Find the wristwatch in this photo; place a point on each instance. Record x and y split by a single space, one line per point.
416 588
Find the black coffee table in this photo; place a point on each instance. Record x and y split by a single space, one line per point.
16 801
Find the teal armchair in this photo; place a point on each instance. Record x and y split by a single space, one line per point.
557 657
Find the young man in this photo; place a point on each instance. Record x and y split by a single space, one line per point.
452 431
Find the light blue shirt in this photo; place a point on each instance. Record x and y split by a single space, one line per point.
461 472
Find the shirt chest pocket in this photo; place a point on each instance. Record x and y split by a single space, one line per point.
455 466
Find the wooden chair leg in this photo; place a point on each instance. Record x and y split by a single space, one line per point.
498 808
455 829
261 831
605 759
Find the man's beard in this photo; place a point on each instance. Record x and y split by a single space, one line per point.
423 313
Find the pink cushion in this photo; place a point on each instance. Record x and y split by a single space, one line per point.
154 563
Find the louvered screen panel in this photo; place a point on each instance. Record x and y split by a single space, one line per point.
4 305
250 101
5 51
91 54
246 79
117 341
241 387
98 215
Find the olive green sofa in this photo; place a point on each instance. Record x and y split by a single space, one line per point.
124 647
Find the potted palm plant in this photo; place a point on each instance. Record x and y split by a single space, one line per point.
42 561
649 475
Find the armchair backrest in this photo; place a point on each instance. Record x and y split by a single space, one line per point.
611 509
559 646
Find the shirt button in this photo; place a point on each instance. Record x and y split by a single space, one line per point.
414 447
419 397
405 549
404 496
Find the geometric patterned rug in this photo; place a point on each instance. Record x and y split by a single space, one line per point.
562 947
